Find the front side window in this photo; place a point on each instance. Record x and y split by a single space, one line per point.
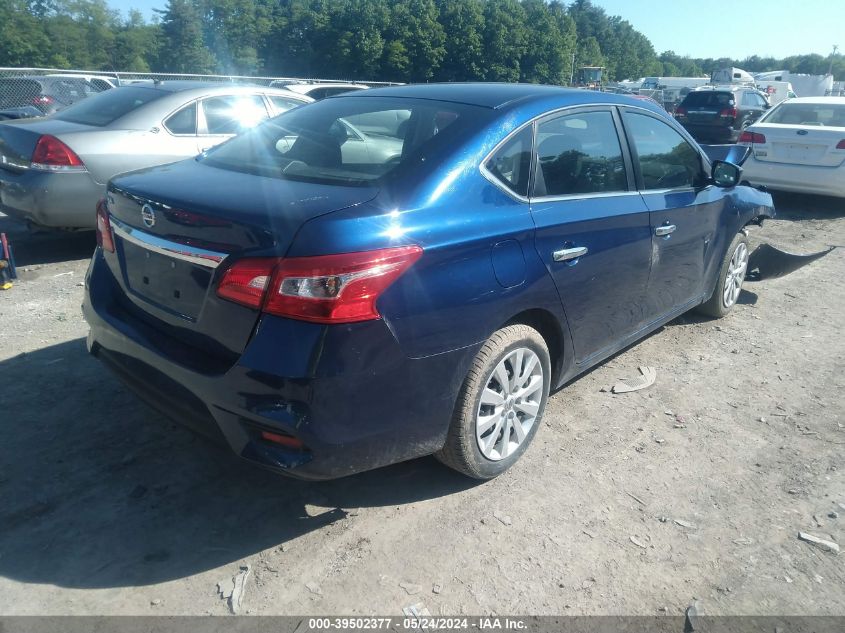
578 154
232 114
666 159
511 163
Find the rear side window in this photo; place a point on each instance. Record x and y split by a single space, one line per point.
579 153
511 163
283 104
232 114
183 121
104 108
666 159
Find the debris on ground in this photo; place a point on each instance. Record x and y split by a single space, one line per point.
828 546
232 589
685 524
436 588
833 514
502 517
314 588
410 588
638 542
691 617
416 610
646 379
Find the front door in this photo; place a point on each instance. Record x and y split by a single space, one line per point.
593 228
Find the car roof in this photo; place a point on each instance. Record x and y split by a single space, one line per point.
495 95
305 88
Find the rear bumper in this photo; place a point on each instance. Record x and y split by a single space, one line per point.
712 133
54 200
347 392
824 181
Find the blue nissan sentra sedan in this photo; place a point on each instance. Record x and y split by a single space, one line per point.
409 270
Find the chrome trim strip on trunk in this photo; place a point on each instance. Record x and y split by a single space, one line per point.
192 254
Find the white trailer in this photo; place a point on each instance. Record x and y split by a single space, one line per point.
802 85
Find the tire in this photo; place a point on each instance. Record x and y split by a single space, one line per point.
475 444
732 270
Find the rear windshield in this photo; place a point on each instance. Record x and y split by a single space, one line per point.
350 140
106 107
705 98
828 115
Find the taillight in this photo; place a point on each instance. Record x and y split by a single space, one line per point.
728 113
52 155
246 280
841 144
752 137
42 100
324 289
679 111
105 239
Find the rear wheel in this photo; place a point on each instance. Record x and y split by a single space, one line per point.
500 404
731 275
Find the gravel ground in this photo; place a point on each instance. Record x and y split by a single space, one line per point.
695 488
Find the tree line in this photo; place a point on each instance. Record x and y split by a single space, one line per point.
386 40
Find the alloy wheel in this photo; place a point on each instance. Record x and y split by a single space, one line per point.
510 403
736 275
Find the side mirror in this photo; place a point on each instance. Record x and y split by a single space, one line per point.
724 174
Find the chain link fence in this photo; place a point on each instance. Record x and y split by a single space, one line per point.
32 92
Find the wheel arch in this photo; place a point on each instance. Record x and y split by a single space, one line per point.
550 329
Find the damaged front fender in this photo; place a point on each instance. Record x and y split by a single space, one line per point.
768 262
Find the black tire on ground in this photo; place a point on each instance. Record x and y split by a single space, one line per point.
715 305
461 450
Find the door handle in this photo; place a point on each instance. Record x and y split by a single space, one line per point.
662 231
567 254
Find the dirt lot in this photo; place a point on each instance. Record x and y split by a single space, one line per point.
625 504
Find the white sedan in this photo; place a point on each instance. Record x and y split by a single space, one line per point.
799 146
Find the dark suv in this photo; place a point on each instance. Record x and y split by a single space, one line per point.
719 115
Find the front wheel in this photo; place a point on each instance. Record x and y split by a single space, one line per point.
731 275
500 404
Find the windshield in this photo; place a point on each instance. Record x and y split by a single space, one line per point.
350 140
104 108
828 115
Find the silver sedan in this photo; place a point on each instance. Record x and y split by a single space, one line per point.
54 169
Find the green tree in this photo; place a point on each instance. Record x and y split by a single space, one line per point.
414 41
463 26
505 39
183 49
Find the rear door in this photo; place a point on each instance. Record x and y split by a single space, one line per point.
684 213
222 117
593 229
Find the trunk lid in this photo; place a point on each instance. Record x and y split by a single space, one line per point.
177 227
799 144
18 139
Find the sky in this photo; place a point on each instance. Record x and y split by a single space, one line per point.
718 28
